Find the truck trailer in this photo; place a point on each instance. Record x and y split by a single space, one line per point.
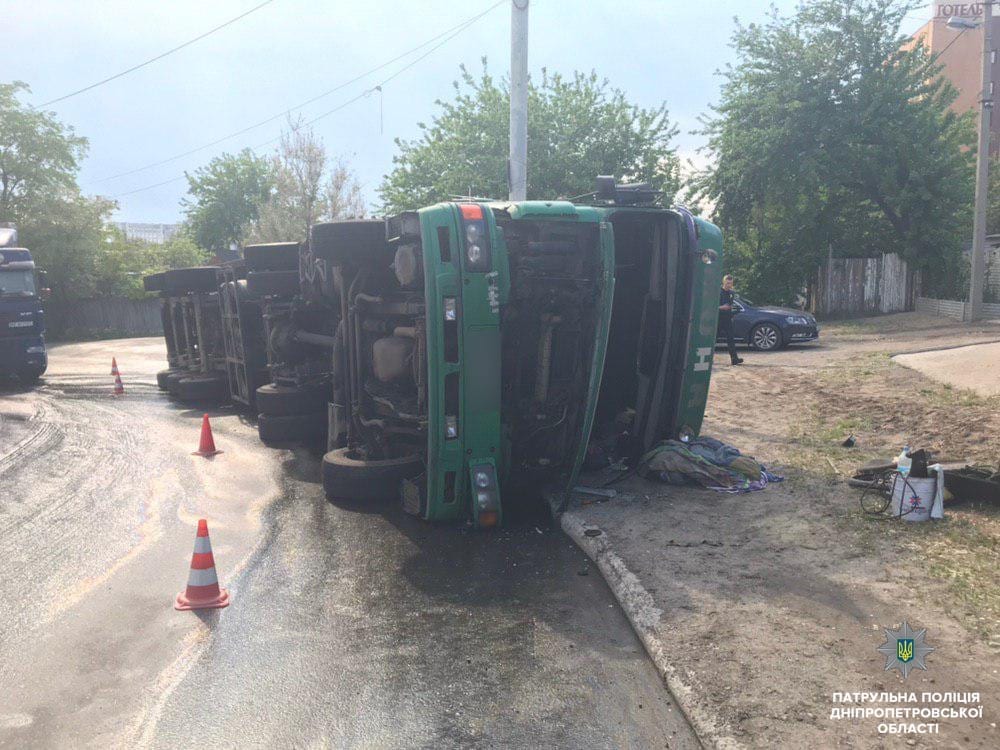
468 352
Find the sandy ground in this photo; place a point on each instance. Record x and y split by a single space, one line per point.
769 603
971 367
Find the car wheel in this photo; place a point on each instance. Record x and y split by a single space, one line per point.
348 477
765 337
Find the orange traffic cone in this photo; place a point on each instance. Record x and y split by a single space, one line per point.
206 446
114 366
119 388
202 590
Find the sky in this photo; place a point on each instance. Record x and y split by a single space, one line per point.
293 50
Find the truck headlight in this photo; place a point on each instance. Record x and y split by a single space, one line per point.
477 240
482 479
451 427
685 434
35 350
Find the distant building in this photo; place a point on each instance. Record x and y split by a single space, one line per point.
156 234
960 55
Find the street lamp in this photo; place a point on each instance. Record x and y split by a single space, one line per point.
978 262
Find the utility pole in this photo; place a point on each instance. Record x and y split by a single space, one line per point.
517 162
978 270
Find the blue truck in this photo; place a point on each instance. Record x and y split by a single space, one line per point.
22 322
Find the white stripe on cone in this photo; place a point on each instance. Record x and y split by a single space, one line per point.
202 544
202 577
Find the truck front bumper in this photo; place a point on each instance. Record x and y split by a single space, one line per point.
22 354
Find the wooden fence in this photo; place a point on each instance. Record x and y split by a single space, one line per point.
847 287
103 317
950 308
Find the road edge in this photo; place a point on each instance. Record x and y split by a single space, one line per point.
644 615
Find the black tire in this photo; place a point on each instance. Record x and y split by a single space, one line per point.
279 400
174 377
273 283
30 376
203 388
155 282
765 337
292 428
162 378
201 279
351 242
347 478
274 256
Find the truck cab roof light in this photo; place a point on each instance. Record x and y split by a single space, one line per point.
471 211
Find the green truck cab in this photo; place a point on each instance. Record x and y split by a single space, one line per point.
485 344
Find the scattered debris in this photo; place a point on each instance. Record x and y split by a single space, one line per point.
593 532
850 442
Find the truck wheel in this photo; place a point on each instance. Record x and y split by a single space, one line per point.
292 428
279 400
352 242
347 477
199 279
274 256
203 388
30 376
273 283
163 378
174 377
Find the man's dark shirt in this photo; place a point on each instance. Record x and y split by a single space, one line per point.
726 298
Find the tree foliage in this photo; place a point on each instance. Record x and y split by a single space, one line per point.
39 160
226 197
832 131
307 188
578 127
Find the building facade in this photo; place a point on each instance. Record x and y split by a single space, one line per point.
960 54
155 234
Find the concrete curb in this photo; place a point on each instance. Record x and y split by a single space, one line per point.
642 612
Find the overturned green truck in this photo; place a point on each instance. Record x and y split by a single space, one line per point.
470 352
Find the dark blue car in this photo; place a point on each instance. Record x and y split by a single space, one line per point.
767 328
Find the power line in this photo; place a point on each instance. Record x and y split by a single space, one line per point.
455 31
134 68
458 27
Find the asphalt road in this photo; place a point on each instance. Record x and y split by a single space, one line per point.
346 629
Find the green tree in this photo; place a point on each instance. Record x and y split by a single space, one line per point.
307 188
578 127
226 196
833 132
39 160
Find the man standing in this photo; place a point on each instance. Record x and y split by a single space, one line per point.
726 317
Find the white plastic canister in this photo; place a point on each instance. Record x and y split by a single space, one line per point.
912 499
